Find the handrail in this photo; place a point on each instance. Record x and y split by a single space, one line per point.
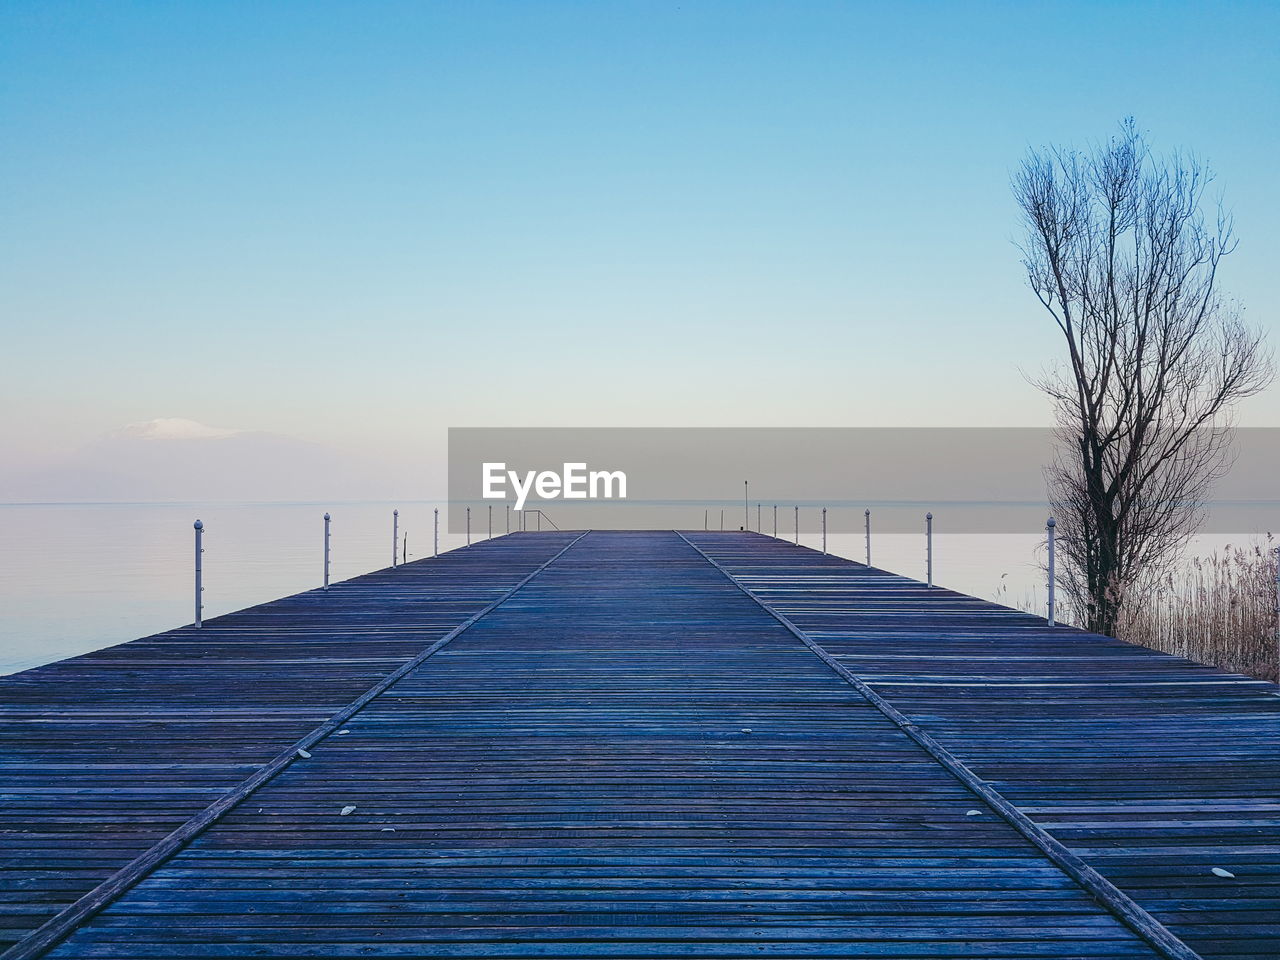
541 516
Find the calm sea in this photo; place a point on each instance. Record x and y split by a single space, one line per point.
79 577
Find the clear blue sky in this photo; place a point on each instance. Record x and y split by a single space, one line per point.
365 222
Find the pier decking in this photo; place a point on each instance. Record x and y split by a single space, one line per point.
637 745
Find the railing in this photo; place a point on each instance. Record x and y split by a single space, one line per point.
538 515
1050 532
524 519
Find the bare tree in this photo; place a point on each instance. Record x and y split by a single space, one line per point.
1120 253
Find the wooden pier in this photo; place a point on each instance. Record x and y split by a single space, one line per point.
636 745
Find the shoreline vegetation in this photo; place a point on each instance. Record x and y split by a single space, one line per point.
1219 610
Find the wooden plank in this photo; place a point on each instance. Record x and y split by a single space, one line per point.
1151 768
629 758
129 744
1102 890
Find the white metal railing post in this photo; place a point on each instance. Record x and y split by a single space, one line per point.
928 546
395 537
508 506
326 551
435 535
866 515
490 537
1048 526
797 525
759 529
775 521
746 507
824 529
199 572
468 526
706 519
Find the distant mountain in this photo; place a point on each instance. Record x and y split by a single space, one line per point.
179 460
174 428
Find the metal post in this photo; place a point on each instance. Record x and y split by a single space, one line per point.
326 551
1049 525
1278 606
867 516
468 526
199 573
824 529
797 525
706 519
508 518
775 521
746 507
928 546
759 529
490 537
722 521
395 536
435 536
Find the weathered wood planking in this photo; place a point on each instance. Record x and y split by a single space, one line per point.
1153 769
628 758
102 755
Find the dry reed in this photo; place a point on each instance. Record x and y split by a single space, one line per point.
1219 610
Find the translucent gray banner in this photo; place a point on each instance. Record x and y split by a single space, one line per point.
976 480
